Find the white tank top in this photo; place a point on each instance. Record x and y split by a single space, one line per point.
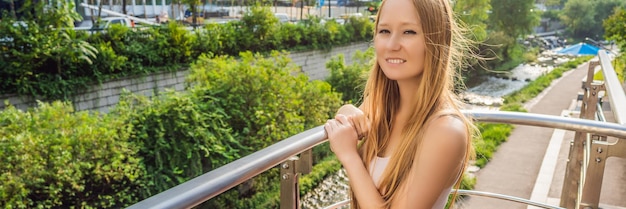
379 164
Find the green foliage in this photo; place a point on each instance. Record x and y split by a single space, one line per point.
614 27
350 80
515 18
501 51
180 136
259 95
60 14
144 146
47 61
530 55
320 171
257 27
337 32
473 14
584 18
54 157
174 43
266 100
467 183
36 56
360 28
551 14
619 64
492 135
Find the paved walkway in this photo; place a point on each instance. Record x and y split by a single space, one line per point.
514 168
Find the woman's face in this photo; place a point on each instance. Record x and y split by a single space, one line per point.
399 41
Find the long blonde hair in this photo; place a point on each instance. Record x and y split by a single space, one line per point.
444 44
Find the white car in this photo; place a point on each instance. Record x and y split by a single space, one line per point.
282 17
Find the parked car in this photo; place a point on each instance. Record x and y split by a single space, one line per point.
208 10
282 17
107 22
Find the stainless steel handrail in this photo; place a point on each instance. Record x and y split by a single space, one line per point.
549 121
208 185
474 193
615 92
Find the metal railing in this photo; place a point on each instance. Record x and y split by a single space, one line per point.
583 190
617 97
589 151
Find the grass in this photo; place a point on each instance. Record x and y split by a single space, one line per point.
618 64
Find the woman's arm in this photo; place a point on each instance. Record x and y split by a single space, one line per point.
343 142
437 165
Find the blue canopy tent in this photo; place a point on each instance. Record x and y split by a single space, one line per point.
580 49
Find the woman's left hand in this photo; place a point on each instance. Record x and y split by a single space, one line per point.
342 136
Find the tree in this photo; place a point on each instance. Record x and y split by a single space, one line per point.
46 39
615 29
555 3
583 18
473 13
193 7
514 17
604 9
124 7
11 8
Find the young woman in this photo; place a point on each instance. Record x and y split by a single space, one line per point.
415 141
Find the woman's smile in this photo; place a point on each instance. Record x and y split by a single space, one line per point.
395 60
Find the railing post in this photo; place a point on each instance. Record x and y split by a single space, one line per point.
594 174
572 185
290 171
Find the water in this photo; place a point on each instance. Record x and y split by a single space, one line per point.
491 89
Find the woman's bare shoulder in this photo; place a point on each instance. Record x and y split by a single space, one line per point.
448 123
447 131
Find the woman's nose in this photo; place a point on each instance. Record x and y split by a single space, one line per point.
394 42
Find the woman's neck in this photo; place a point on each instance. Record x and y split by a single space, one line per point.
407 90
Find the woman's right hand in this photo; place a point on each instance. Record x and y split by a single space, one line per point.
357 118
342 137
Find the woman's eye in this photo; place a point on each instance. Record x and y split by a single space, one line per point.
410 32
383 31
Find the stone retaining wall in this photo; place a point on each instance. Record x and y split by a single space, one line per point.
102 97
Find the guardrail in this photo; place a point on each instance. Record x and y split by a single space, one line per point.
589 151
617 97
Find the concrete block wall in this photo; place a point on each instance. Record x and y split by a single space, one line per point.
102 97
314 62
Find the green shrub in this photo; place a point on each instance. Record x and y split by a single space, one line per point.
350 80
266 100
261 96
179 137
338 33
54 157
360 28
56 64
